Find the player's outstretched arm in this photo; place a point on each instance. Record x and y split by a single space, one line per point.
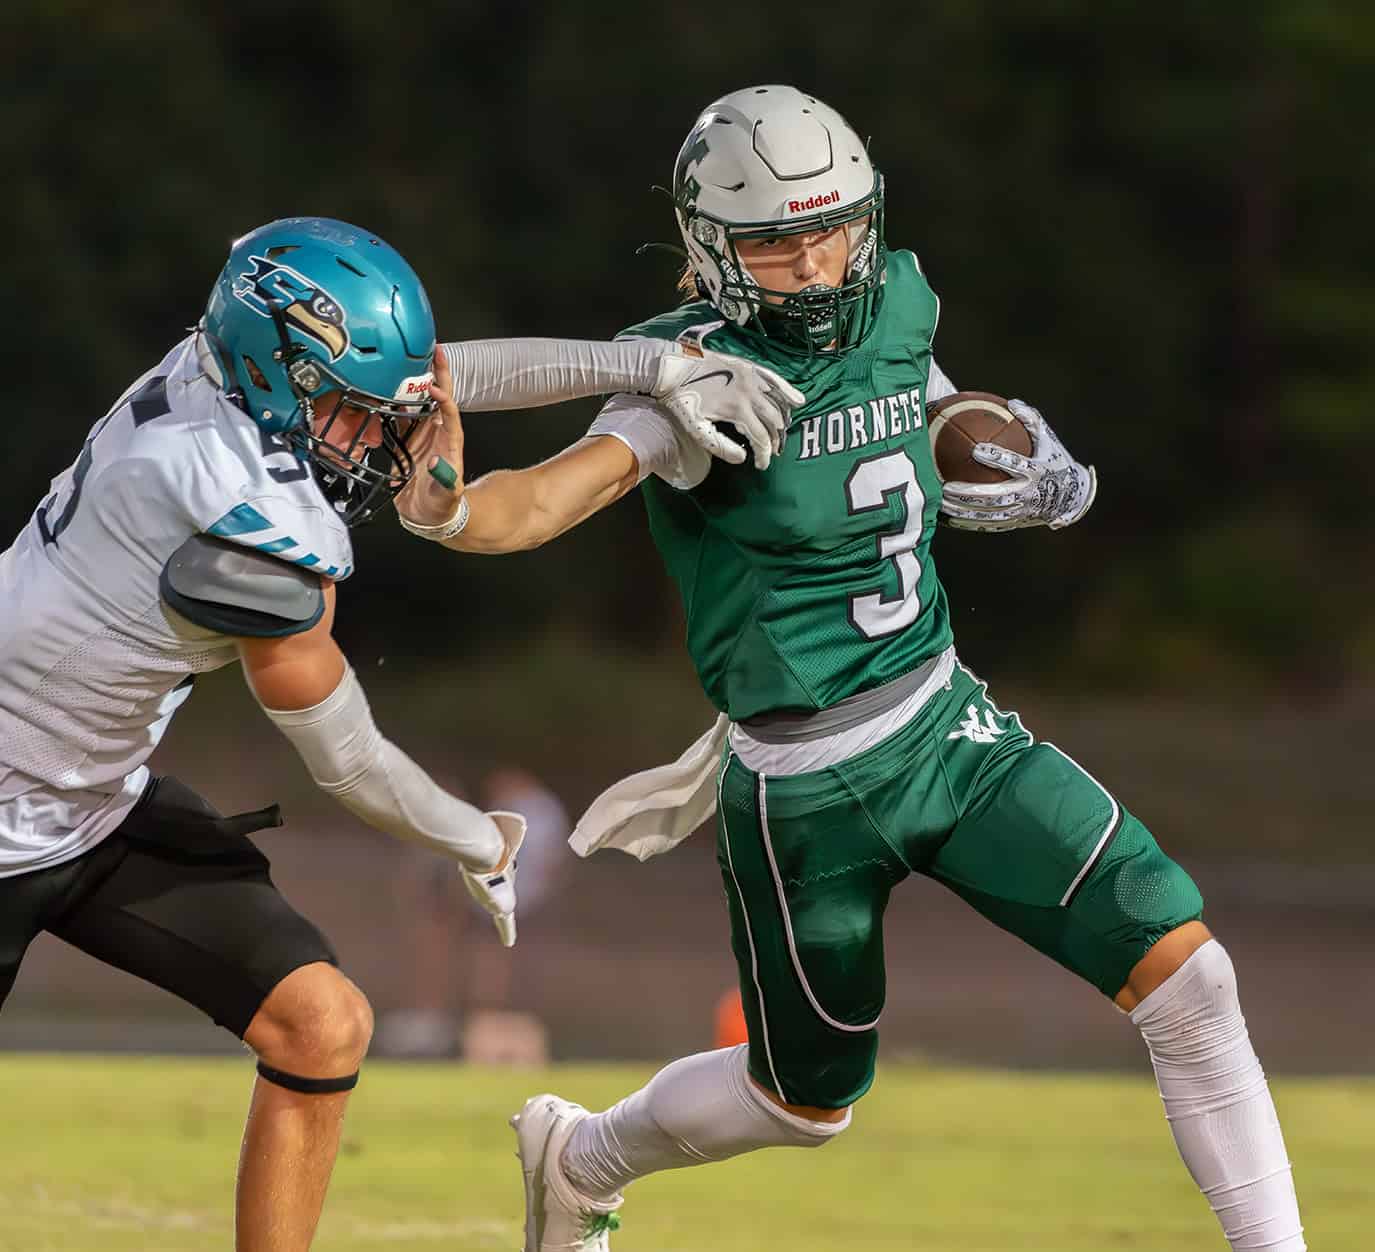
508 510
310 692
697 388
514 510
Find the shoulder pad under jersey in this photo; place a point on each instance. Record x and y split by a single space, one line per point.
672 324
237 591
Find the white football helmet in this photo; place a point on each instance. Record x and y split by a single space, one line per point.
769 161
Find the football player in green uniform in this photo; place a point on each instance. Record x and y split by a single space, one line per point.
853 748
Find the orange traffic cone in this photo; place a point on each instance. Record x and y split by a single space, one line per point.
730 1020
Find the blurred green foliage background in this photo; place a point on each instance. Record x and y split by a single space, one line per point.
1152 221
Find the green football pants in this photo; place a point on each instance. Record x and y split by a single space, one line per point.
963 794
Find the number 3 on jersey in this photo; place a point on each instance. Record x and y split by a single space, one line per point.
868 487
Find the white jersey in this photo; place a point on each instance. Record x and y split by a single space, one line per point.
92 663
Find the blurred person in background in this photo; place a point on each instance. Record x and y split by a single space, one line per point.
497 1028
853 748
206 520
453 992
424 1022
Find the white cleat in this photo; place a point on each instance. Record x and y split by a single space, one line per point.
558 1217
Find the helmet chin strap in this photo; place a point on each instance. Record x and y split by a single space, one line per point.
796 324
303 376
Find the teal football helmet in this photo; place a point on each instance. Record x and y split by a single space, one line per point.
309 309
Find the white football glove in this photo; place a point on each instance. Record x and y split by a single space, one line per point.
1048 488
496 890
697 391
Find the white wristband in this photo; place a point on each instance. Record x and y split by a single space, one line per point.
441 530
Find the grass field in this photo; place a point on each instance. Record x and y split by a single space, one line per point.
137 1155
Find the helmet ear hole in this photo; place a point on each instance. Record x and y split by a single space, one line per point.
256 375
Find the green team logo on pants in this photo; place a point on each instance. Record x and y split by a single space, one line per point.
963 794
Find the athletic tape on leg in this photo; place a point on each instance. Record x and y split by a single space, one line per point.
308 1086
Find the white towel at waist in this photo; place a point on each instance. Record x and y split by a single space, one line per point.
655 810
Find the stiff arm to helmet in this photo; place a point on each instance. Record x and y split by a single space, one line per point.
696 391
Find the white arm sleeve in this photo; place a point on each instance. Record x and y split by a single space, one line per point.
938 384
371 777
527 373
659 445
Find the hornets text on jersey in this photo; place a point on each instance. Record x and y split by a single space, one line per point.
814 581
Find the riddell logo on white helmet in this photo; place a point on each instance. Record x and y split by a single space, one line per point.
414 389
814 202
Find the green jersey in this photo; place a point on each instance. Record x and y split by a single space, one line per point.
813 581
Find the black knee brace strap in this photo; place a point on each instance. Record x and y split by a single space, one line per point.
308 1086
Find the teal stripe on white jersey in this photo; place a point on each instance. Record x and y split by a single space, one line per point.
242 519
247 525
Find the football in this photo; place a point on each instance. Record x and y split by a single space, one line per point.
956 423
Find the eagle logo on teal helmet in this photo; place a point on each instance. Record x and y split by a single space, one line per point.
304 305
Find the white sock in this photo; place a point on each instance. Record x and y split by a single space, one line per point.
1218 1103
702 1108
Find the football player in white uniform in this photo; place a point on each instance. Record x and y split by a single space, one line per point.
206 520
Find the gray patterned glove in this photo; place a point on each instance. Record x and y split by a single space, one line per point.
1048 488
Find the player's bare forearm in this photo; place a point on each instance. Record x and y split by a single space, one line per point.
515 510
297 671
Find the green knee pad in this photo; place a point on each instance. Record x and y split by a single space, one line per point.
1132 897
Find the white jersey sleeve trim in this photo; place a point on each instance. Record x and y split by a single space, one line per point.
938 384
917 264
660 447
